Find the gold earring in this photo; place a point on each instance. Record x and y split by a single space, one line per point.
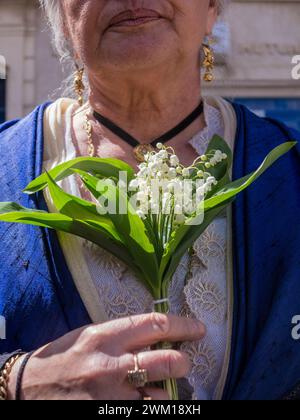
208 63
79 85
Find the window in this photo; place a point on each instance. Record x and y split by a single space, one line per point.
286 110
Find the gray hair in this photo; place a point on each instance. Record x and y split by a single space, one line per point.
53 12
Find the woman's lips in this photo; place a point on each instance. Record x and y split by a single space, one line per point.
134 22
134 17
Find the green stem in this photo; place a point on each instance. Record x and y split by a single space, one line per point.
169 385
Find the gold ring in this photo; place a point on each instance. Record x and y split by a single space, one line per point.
137 377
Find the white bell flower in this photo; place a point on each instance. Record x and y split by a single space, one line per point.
174 161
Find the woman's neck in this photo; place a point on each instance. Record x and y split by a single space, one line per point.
150 103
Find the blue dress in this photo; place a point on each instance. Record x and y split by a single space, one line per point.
40 301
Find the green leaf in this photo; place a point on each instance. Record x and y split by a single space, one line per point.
235 187
126 235
222 168
94 232
91 182
78 208
130 227
105 168
8 207
183 234
134 233
182 237
183 241
14 213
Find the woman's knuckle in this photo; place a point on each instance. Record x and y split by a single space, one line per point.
90 335
92 332
110 365
160 323
103 367
132 321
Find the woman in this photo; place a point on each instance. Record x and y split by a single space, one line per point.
232 302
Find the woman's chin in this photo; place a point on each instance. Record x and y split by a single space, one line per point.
138 48
133 60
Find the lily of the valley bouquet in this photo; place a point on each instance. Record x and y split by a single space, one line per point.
150 219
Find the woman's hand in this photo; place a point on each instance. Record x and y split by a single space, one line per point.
92 363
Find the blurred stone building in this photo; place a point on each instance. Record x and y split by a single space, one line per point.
255 44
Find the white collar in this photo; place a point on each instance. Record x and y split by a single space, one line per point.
214 124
